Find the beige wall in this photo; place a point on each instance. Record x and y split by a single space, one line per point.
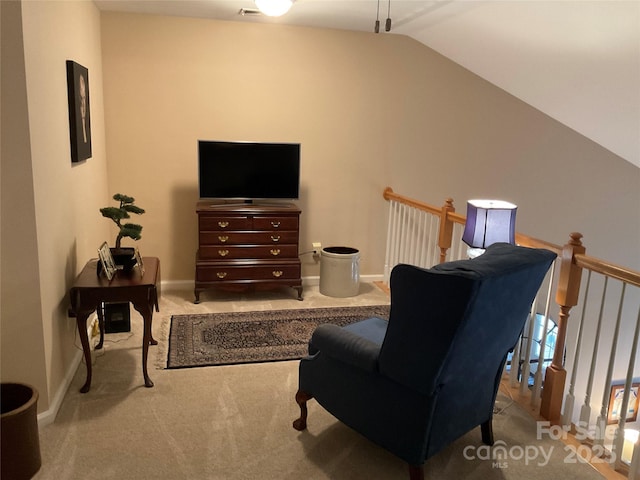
61 199
22 342
370 111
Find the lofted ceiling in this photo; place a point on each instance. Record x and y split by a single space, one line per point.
578 61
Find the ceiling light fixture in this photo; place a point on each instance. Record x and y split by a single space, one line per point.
274 8
387 26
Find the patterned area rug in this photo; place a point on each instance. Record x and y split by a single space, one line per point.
199 340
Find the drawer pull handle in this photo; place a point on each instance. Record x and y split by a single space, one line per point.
223 238
275 238
223 253
277 273
275 224
275 252
221 275
223 224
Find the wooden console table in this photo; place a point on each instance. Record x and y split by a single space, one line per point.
90 291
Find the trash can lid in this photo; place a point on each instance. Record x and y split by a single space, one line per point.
341 250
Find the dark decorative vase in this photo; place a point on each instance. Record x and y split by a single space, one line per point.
20 442
124 257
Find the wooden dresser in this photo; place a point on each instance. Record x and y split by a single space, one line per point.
247 246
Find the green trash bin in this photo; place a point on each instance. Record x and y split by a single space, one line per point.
19 437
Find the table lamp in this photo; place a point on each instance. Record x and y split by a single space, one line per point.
488 222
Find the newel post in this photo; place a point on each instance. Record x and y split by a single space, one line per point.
445 234
566 297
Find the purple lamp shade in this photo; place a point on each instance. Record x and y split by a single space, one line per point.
488 222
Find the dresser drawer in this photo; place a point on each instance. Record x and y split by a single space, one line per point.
275 223
229 252
229 272
215 222
248 238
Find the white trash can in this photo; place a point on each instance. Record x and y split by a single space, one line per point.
339 272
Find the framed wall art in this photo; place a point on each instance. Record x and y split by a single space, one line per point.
79 112
615 403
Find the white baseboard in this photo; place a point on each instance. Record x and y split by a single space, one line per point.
48 416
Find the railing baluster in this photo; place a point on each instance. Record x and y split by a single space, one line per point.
570 399
401 229
387 256
433 244
585 411
422 238
618 441
537 384
515 365
601 422
411 235
528 346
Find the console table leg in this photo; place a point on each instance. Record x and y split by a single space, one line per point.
146 341
81 321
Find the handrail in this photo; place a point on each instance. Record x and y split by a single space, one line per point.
389 194
533 242
607 268
454 217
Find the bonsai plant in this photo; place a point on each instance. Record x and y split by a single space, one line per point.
132 230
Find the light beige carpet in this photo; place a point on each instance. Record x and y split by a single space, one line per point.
234 422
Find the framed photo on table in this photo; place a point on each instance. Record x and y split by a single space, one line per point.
139 263
79 111
106 260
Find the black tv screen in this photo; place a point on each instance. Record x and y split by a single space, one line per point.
248 170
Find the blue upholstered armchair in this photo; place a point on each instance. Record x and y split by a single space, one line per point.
431 373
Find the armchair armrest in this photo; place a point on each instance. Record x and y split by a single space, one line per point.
345 346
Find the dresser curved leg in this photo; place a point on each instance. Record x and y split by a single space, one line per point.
146 310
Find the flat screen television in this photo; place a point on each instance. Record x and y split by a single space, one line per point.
248 170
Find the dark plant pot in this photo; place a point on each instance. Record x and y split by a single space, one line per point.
124 257
20 442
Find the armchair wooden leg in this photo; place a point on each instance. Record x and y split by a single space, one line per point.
487 432
302 398
416 472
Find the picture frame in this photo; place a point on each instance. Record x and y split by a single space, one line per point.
139 262
106 260
615 403
79 111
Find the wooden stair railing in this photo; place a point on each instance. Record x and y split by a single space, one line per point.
573 260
